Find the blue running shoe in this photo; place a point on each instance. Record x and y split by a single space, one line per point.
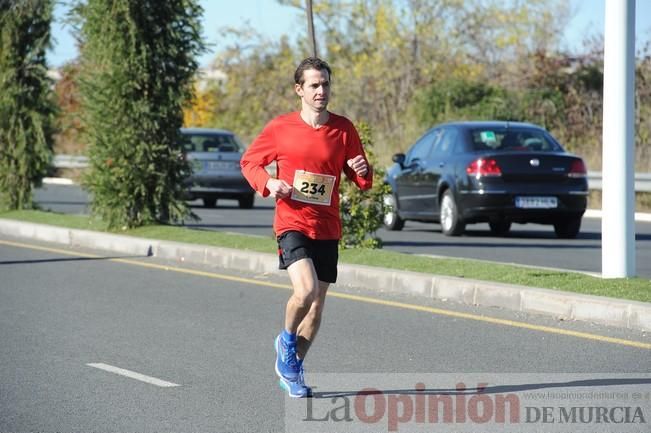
296 389
301 378
287 367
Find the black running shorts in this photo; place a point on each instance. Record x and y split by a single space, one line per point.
294 246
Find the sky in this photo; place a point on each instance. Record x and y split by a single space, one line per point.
274 20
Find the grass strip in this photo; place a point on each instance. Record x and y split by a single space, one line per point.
637 289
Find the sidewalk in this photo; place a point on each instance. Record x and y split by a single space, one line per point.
562 305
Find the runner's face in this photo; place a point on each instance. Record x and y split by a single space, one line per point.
315 91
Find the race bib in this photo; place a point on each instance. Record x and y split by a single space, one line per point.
312 187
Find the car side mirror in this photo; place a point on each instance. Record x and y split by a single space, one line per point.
399 158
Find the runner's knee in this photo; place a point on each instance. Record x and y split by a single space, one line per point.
305 298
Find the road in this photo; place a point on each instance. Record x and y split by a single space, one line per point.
529 244
64 313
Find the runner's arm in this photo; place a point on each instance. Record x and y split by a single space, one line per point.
260 153
354 149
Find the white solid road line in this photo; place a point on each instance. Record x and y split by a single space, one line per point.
133 375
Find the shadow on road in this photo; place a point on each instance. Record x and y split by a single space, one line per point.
212 227
466 244
233 207
514 234
66 259
64 202
496 389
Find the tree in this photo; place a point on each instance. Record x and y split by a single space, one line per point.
68 120
201 111
643 110
259 83
386 52
26 107
137 63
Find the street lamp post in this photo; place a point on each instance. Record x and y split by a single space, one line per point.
310 27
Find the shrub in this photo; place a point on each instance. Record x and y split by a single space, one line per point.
362 212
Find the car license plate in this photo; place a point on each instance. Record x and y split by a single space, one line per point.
221 165
536 202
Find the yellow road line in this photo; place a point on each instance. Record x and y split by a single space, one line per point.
203 273
357 298
50 250
495 321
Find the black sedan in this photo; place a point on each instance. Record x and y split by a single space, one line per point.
495 172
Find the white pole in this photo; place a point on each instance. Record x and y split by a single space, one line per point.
618 200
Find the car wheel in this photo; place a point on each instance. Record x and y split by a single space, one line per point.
209 202
500 227
451 224
246 202
392 220
568 228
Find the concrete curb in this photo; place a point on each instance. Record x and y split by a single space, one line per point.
562 305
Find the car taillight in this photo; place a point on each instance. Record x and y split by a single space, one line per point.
577 169
484 167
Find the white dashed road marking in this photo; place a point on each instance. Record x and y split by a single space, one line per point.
133 375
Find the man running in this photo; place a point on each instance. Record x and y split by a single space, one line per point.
311 148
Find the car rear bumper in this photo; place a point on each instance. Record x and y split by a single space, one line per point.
481 207
225 188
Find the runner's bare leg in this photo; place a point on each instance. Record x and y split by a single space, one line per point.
309 327
306 289
305 306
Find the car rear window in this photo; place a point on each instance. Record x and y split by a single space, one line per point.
512 140
211 143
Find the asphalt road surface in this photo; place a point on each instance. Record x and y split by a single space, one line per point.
96 343
529 244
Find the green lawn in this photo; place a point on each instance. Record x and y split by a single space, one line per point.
631 288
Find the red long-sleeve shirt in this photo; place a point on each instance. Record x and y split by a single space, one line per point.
323 152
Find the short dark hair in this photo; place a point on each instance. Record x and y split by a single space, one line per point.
310 63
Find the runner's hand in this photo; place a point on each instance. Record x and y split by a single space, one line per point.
278 188
359 165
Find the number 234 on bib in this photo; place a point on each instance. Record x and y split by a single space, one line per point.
313 187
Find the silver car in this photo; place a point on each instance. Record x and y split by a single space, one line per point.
214 155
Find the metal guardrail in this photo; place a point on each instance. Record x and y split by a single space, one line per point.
642 180
70 161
